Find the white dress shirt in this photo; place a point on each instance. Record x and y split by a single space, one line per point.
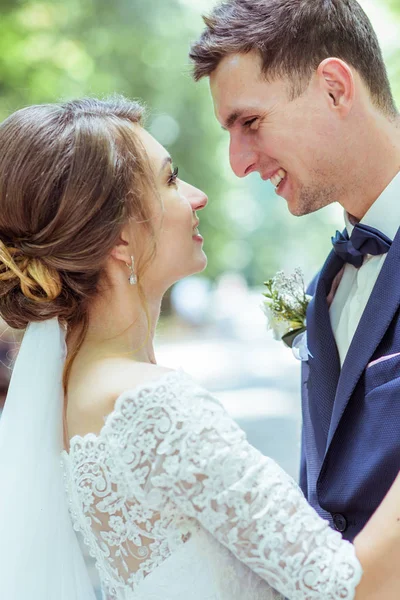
356 285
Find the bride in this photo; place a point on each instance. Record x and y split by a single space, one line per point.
169 496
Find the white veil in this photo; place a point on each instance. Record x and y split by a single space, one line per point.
40 557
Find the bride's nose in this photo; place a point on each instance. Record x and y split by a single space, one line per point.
197 199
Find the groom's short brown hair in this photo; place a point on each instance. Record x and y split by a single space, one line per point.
293 37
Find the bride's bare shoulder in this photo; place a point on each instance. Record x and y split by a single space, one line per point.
92 392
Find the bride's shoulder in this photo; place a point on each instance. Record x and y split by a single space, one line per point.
93 394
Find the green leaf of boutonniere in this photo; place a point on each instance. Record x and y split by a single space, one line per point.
285 306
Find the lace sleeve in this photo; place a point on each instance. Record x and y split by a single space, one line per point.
194 455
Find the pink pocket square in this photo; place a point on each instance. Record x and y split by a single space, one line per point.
382 359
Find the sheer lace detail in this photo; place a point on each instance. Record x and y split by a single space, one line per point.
169 463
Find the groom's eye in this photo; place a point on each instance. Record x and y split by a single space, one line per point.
250 122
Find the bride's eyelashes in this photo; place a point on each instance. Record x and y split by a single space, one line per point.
173 177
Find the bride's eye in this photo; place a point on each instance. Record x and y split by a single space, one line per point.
173 177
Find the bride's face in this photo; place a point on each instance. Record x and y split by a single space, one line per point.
179 250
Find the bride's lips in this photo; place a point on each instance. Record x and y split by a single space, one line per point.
196 234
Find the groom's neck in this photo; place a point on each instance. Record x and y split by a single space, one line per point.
375 163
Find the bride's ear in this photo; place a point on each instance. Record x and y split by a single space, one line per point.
123 249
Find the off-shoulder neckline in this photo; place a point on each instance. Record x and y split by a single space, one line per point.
150 385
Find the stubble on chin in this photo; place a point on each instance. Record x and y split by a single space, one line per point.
312 199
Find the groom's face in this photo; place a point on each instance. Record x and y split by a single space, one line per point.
290 142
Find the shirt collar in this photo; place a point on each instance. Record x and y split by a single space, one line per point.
384 214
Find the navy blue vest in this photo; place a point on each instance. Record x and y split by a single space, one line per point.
351 416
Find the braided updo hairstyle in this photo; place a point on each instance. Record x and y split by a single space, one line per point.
71 176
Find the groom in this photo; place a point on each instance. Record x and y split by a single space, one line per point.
302 89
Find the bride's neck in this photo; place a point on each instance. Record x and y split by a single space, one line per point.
123 328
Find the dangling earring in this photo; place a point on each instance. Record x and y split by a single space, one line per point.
132 278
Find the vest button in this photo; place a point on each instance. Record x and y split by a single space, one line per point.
339 522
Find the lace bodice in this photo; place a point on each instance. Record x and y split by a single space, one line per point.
171 485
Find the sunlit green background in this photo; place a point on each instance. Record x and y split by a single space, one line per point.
70 48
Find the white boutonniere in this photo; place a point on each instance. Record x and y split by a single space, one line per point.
285 306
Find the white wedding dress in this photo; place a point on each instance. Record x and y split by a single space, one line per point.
174 503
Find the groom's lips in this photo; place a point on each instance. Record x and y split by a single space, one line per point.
278 178
283 188
267 176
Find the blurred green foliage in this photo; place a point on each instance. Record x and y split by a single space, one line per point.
56 50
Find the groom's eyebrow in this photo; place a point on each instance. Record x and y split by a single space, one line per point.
231 120
237 114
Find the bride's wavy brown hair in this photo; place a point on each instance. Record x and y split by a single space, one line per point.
71 176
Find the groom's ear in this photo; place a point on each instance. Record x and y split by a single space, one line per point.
337 83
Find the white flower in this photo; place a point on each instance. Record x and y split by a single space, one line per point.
285 305
277 325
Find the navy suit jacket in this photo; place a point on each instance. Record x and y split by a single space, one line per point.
351 415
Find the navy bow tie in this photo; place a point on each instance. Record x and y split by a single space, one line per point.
363 240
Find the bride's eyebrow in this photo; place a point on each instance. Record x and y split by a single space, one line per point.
167 160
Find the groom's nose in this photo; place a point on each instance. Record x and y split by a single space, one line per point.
243 158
